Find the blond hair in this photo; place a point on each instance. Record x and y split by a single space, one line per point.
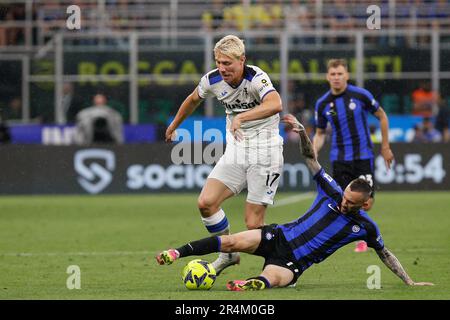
334 63
231 46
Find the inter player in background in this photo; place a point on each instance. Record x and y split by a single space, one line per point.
334 219
346 108
254 151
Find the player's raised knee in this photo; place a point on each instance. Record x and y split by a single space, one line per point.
206 204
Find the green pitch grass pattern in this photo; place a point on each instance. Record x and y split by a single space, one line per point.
113 241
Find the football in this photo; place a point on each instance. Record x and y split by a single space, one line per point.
198 275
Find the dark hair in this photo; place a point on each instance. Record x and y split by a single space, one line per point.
334 63
102 133
361 185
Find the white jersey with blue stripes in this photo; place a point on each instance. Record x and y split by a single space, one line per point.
247 95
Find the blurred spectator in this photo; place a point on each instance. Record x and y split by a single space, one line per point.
297 107
297 20
340 19
213 19
51 15
71 103
14 109
5 135
440 13
267 15
236 17
99 124
429 133
425 101
9 35
418 134
3 11
442 120
297 104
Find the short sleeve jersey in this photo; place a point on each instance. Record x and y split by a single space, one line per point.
249 94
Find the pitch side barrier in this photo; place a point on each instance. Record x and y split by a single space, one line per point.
159 167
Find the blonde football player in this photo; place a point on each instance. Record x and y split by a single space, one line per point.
254 152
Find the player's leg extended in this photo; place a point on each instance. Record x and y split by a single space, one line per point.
271 277
277 276
246 241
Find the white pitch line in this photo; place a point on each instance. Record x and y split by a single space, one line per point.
294 199
51 254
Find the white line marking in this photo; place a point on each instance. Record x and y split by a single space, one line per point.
294 199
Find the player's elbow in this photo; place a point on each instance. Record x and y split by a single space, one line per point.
277 108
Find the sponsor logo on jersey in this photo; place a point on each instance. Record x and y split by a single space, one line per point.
265 84
240 105
356 228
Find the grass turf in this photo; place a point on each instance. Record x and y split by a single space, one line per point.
113 240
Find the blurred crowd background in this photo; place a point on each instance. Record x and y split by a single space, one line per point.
41 85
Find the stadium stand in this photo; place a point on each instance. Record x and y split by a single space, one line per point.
30 28
26 23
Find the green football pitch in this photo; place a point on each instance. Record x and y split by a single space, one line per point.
113 240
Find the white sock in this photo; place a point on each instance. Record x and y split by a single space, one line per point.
217 224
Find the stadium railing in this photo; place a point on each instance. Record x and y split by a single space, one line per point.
41 20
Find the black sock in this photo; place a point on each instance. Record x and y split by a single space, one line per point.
263 279
200 247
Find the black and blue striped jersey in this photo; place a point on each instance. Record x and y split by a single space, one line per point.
323 229
347 113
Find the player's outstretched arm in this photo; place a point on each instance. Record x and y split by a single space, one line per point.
306 147
386 151
319 140
187 107
395 266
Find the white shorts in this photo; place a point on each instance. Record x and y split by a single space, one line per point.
258 169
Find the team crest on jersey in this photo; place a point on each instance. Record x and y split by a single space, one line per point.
332 111
352 105
269 236
356 228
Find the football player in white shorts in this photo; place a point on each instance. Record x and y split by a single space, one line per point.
254 151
